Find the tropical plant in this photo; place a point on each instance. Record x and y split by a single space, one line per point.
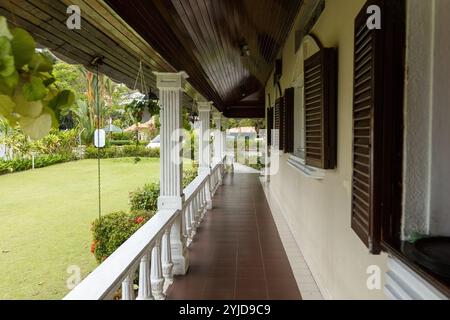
29 97
111 231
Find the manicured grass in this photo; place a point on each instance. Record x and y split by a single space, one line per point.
45 218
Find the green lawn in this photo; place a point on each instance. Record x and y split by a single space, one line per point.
45 218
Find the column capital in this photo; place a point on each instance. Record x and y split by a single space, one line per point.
204 106
171 80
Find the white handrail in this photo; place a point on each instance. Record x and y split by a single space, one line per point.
103 282
148 250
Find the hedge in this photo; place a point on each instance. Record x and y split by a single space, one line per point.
17 165
121 152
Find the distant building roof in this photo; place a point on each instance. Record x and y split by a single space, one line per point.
149 125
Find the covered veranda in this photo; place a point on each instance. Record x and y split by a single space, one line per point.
217 238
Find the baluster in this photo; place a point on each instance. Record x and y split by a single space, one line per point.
156 273
167 265
203 202
127 287
197 212
188 222
194 212
145 287
184 223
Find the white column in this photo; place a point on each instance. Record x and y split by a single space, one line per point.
204 111
171 88
219 151
217 117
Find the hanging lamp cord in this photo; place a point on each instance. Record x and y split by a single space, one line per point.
96 62
97 98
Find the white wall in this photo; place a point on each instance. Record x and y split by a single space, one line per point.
427 115
440 150
319 211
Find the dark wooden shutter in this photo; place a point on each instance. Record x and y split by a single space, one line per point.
270 126
280 121
320 109
377 122
276 133
289 120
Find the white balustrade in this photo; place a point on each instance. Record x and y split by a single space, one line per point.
147 256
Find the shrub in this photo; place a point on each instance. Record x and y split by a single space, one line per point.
111 231
17 165
123 136
131 151
140 151
188 176
145 198
121 142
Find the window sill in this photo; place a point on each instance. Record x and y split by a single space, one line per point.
309 172
397 249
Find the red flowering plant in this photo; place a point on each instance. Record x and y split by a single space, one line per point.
112 230
139 220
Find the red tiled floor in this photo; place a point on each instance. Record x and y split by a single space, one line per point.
237 252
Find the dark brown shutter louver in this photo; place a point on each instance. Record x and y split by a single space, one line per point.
320 109
276 133
279 121
289 120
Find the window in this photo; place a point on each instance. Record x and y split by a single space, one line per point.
315 106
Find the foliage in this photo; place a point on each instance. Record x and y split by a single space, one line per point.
136 110
145 198
111 231
120 152
85 119
70 76
121 142
188 176
29 97
122 135
22 164
258 124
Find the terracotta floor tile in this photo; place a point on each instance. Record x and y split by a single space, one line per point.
237 252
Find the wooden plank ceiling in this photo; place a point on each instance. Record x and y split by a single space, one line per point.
205 38
202 37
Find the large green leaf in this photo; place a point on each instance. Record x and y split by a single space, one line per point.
40 63
34 90
5 47
8 84
6 105
25 108
4 30
55 123
23 46
63 99
7 66
36 128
